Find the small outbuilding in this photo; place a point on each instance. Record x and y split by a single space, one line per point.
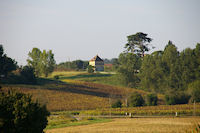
97 63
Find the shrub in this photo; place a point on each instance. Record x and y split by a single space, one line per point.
117 104
151 99
56 77
135 100
19 114
90 69
27 75
173 98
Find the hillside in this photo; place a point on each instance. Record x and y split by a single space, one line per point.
71 94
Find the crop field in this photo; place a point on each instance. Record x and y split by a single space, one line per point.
161 110
136 125
71 94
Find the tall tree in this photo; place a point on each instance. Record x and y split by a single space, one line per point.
172 66
197 61
6 63
42 62
138 43
152 72
34 60
187 59
47 62
129 65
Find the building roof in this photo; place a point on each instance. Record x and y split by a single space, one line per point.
96 58
108 65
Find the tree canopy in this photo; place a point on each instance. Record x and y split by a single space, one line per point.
138 43
6 63
19 114
42 62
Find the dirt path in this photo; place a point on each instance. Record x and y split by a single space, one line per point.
134 125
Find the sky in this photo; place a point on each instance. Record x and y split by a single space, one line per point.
81 29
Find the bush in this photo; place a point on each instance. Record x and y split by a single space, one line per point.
151 99
135 100
176 98
27 75
19 114
90 69
117 104
194 91
56 77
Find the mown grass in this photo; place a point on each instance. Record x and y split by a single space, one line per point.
136 125
59 123
66 119
102 78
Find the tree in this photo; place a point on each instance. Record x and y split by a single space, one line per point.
176 97
34 60
135 100
172 67
6 63
197 61
47 62
188 66
129 65
194 90
90 69
28 76
42 62
152 72
151 99
138 43
19 114
117 104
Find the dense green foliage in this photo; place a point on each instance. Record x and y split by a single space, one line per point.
19 114
90 69
138 43
170 70
135 100
177 97
194 91
74 65
27 75
129 65
42 62
6 63
117 104
151 99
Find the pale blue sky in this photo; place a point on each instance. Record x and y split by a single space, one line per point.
80 29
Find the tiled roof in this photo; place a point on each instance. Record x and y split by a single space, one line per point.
96 58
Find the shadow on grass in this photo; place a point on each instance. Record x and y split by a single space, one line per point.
86 76
51 84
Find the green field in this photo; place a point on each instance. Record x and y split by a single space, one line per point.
107 78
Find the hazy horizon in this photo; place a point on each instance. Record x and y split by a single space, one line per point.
82 29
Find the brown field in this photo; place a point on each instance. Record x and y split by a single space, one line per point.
135 125
73 95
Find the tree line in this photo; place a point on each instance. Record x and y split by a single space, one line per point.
72 65
168 71
39 63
